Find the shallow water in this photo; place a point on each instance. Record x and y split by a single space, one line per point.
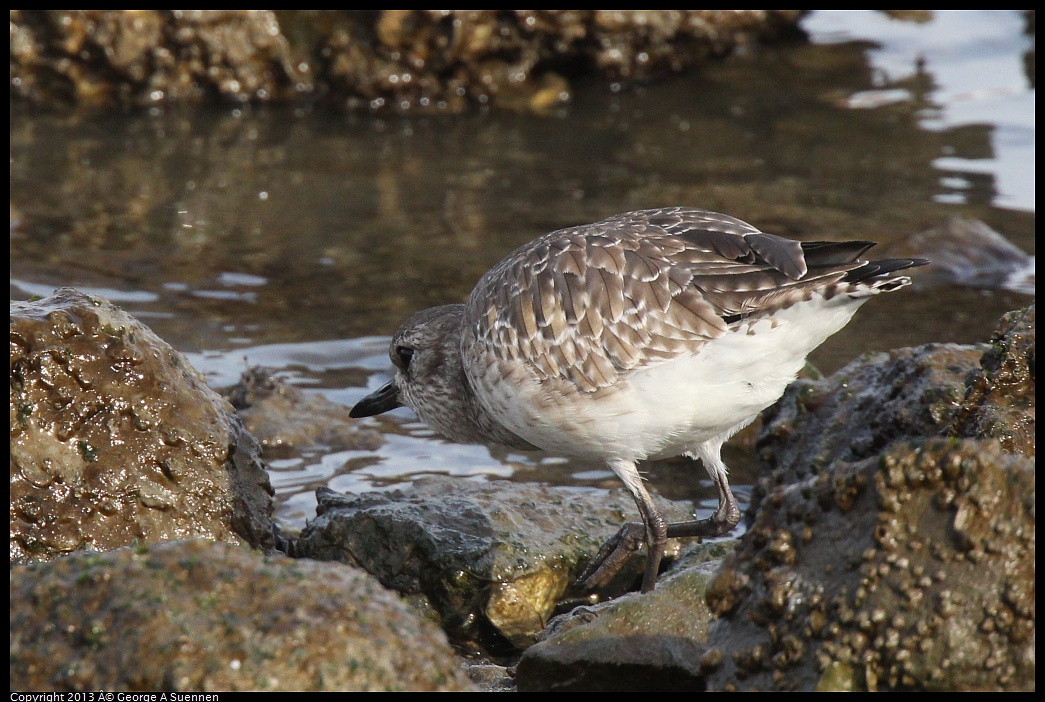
298 239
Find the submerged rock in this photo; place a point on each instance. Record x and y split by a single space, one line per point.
287 421
966 251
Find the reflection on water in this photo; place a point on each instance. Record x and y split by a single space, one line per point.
298 239
978 72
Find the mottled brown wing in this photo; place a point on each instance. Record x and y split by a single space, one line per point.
591 303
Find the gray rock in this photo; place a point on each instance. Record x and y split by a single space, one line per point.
482 555
288 421
876 400
966 251
638 642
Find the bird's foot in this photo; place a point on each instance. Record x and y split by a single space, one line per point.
615 552
723 521
611 557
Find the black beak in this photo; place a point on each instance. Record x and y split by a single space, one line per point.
377 402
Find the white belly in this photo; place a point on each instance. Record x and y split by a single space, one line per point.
671 408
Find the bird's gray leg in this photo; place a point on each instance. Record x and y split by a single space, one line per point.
653 531
614 553
721 522
727 515
656 538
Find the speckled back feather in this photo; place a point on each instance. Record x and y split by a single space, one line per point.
591 303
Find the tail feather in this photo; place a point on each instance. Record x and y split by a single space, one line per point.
833 253
882 268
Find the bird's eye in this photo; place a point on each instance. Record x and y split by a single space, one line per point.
401 356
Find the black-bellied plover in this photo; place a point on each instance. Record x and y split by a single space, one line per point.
647 335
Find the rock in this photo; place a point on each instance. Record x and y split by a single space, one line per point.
431 60
202 616
116 439
492 560
651 642
1000 400
874 401
287 421
490 677
885 553
966 251
107 58
912 571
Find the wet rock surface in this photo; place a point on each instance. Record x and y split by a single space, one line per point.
107 58
492 560
913 570
895 558
636 642
115 438
1000 402
871 403
287 420
202 616
443 60
966 251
